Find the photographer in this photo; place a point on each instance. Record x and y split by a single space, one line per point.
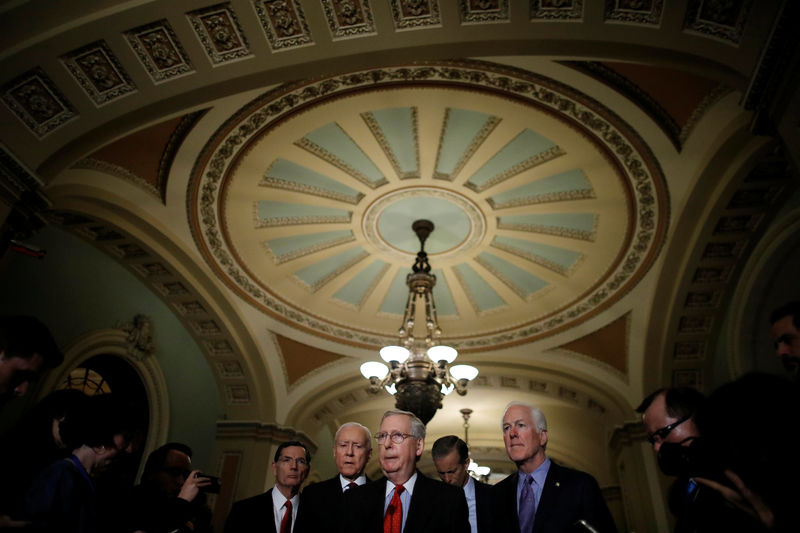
761 465
669 417
171 497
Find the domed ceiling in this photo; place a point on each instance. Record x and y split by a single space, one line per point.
303 203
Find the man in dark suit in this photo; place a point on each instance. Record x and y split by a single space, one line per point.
542 496
404 501
278 509
352 448
451 457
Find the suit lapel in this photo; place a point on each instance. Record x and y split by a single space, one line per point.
377 497
271 512
551 492
420 505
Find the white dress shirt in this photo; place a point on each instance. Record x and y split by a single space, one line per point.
278 509
469 492
405 496
360 480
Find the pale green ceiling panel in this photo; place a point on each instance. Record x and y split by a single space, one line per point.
394 302
395 129
285 174
517 279
445 306
285 249
569 185
462 133
334 145
357 290
558 259
318 274
271 214
571 225
479 293
525 151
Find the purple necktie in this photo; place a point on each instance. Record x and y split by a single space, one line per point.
527 505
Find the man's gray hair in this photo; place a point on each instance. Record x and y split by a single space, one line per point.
417 427
536 413
365 429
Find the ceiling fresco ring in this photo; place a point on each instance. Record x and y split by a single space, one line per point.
624 153
405 250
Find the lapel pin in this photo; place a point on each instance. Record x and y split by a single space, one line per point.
558 484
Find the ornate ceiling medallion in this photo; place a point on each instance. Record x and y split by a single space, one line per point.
552 207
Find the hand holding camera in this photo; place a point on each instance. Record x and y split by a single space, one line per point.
197 482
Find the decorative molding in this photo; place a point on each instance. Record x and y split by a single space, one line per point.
563 196
342 165
295 254
317 285
560 10
284 24
273 433
276 183
139 340
176 138
634 12
377 132
477 224
537 259
273 222
522 166
569 233
474 144
159 51
722 21
219 32
619 142
471 298
415 14
348 18
99 73
36 101
483 11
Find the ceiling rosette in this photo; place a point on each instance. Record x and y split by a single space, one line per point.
548 207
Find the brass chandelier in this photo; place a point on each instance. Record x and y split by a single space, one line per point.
419 374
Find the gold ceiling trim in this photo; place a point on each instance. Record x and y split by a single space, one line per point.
620 144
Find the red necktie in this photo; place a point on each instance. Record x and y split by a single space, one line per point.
286 523
393 520
351 485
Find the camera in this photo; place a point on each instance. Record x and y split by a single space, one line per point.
694 460
215 485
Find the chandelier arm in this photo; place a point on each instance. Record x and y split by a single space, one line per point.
420 381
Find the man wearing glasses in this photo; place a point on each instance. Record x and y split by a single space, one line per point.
668 417
352 448
404 501
277 510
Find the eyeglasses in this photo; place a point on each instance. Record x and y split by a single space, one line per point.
661 434
286 460
397 438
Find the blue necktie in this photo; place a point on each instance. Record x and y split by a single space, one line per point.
527 505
